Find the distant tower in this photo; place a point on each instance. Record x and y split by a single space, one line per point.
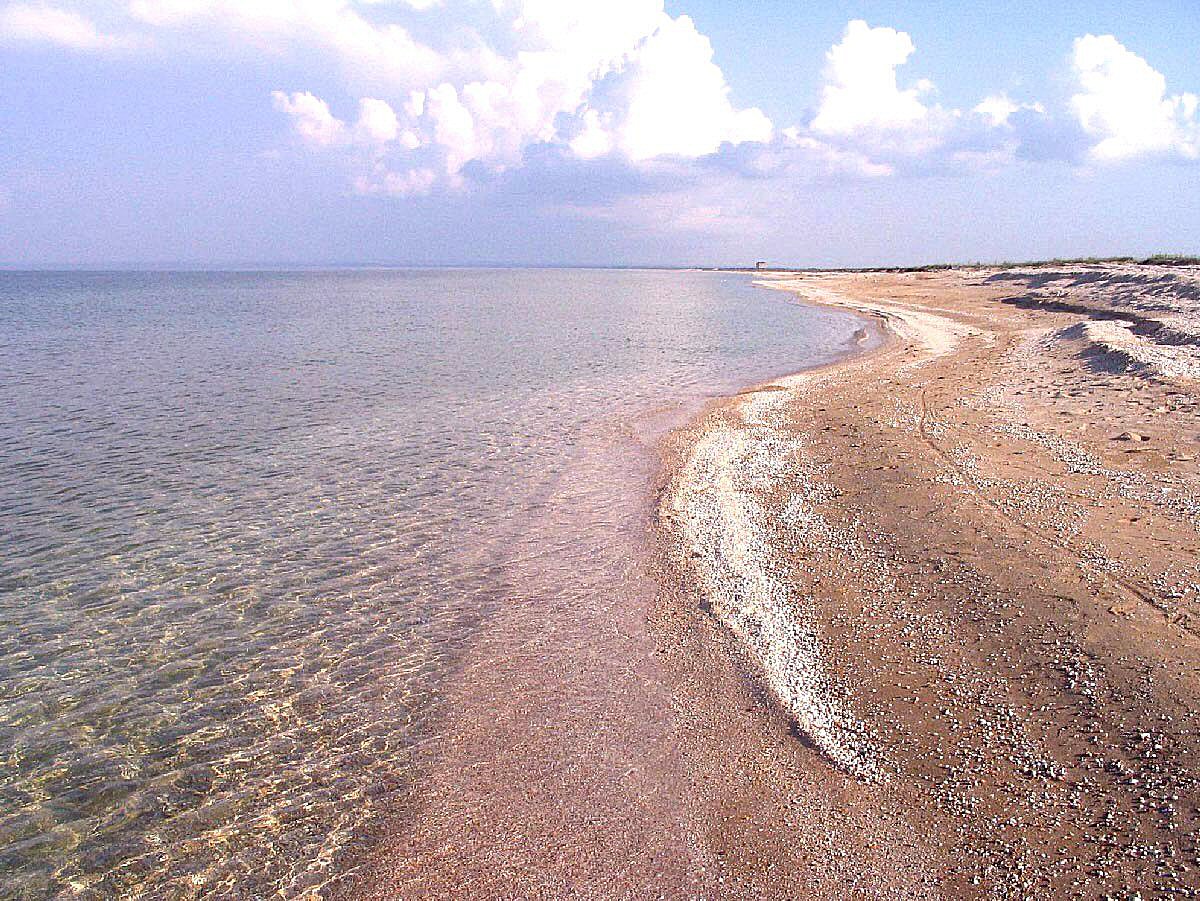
761 264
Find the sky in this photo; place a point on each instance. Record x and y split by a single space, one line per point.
595 132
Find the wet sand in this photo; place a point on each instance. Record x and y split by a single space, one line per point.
925 625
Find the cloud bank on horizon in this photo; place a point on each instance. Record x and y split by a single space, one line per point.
441 97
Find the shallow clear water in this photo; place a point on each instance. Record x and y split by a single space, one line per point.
250 521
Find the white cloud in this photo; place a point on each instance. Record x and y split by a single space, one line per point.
453 125
588 35
676 100
377 122
877 125
414 106
861 93
1123 104
311 118
638 84
377 125
433 93
997 109
596 137
463 100
51 25
593 78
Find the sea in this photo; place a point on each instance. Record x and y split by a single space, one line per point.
251 522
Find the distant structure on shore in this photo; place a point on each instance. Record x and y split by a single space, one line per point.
761 264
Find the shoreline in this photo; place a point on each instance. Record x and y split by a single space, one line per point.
710 541
922 624
1001 609
558 769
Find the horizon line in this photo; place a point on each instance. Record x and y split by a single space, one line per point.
1178 259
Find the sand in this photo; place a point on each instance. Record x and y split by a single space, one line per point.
926 626
986 535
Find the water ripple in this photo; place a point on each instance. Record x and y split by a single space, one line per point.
250 520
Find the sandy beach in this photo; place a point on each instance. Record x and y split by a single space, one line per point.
925 627
963 570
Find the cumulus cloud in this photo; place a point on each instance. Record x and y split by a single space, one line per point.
868 122
377 121
674 101
1123 105
311 118
861 92
621 77
595 137
438 94
998 109
862 97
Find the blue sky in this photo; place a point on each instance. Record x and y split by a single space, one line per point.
594 132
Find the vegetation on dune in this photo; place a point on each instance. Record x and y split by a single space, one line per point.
1172 259
1158 259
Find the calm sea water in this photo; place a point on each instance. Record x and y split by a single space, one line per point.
249 521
